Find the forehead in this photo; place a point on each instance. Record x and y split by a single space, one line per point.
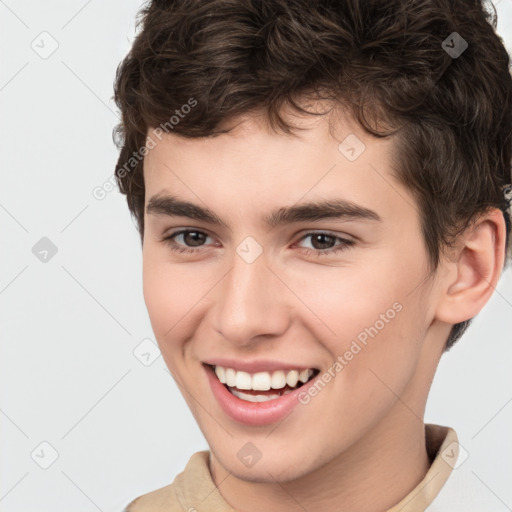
252 164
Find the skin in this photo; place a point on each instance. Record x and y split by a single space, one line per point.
365 429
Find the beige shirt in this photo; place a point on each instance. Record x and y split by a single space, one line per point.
193 490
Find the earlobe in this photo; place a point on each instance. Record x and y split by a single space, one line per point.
473 275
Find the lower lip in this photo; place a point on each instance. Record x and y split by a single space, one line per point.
255 413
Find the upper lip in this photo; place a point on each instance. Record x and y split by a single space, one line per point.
263 365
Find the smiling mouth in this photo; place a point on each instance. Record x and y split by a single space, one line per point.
262 386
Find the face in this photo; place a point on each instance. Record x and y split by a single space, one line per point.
288 254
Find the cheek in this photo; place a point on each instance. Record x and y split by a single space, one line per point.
348 299
368 316
169 295
375 346
176 298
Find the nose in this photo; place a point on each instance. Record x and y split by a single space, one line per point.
250 302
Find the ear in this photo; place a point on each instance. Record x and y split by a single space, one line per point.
473 270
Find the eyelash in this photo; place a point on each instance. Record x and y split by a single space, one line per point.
346 244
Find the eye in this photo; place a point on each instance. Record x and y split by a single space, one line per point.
322 243
191 238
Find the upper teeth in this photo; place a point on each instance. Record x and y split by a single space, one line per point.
262 381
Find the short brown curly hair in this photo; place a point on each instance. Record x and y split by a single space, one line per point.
385 61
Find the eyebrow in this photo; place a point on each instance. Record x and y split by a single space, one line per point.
312 211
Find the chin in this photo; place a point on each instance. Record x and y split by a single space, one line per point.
276 468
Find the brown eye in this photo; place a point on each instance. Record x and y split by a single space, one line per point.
186 240
193 238
322 241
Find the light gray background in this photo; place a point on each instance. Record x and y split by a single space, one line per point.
70 326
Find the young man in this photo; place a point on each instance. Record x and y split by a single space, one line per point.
320 188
